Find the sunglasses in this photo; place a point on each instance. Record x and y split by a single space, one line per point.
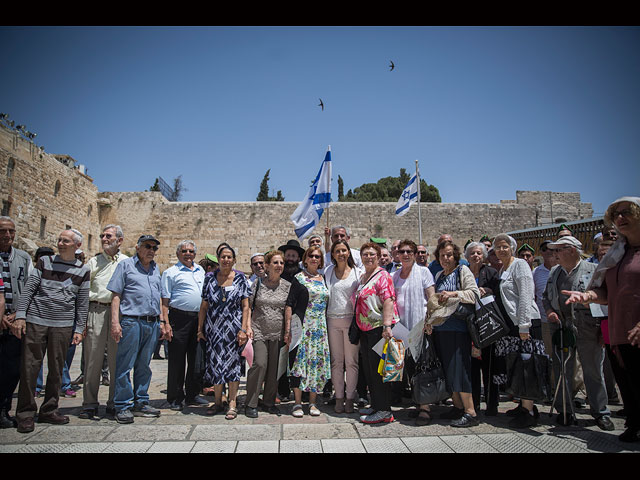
188 251
405 252
150 247
314 256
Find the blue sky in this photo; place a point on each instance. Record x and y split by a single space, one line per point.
485 110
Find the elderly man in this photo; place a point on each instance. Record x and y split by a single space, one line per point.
256 262
51 312
181 299
135 317
98 334
394 264
385 257
573 274
339 232
422 255
16 266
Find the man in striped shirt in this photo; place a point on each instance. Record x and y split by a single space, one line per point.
51 313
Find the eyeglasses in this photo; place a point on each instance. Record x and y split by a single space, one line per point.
420 252
188 251
7 230
150 247
106 235
313 255
405 252
626 213
255 264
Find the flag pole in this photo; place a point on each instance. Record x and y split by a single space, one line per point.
419 216
328 149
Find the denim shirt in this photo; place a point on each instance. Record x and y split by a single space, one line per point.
138 288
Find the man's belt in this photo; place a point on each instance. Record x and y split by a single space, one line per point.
183 312
148 318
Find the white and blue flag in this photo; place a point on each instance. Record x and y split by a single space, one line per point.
308 213
409 196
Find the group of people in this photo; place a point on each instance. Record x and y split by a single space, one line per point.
310 317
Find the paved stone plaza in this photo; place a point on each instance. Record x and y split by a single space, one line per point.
193 431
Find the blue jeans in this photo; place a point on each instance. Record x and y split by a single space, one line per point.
135 349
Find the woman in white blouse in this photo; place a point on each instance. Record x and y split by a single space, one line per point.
342 278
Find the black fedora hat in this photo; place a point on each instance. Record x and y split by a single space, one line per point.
292 245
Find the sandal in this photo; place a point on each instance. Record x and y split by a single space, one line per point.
424 417
231 413
214 409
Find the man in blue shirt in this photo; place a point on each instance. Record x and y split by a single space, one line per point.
181 299
135 326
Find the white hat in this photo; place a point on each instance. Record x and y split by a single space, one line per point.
568 240
438 313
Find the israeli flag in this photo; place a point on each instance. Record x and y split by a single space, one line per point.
409 196
308 213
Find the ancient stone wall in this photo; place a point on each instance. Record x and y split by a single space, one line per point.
47 193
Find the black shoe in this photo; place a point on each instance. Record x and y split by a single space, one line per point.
523 420
452 414
630 435
157 356
514 412
251 412
570 419
605 423
273 410
6 421
88 413
466 420
110 412
176 406
196 401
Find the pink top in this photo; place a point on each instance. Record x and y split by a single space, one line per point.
371 299
623 295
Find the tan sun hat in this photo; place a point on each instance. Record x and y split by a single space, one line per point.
437 312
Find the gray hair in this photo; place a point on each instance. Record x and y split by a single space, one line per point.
184 243
319 237
77 236
473 245
503 237
117 228
4 218
338 227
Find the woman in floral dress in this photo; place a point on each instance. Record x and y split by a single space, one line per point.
312 364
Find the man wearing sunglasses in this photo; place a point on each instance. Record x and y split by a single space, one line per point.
97 333
181 299
135 325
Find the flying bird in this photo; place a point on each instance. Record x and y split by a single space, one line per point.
321 105
391 66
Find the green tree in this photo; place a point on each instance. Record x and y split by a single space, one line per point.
155 187
340 188
263 194
389 189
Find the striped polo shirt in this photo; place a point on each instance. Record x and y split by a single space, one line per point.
56 294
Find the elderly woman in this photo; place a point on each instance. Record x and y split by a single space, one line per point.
342 278
452 339
223 311
488 282
615 284
312 367
267 328
413 285
376 313
517 301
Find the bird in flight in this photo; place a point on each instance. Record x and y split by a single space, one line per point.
321 105
391 65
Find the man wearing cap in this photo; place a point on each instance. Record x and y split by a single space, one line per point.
526 252
540 277
97 334
256 261
181 298
136 321
574 274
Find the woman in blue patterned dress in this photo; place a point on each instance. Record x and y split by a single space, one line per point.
312 364
225 304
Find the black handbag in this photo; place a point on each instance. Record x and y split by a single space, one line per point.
428 382
528 375
486 325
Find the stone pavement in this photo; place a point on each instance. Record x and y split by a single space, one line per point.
192 431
